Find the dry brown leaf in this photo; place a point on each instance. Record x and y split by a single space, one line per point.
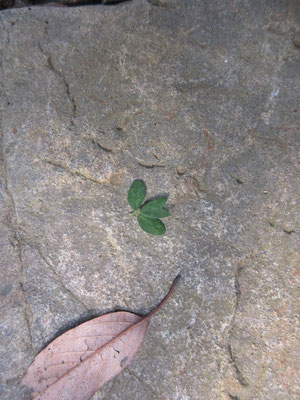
76 364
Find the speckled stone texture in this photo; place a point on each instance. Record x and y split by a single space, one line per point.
201 100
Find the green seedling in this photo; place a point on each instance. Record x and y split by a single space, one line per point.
147 214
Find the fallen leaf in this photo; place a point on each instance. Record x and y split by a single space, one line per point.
76 364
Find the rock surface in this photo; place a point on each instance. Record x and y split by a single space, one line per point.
5 4
201 100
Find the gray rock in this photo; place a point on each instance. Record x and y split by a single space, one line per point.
5 4
199 99
296 39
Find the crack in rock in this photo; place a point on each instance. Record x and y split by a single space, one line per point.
237 287
289 231
233 359
101 146
59 280
150 165
27 312
240 377
62 77
28 315
17 245
233 397
67 88
75 172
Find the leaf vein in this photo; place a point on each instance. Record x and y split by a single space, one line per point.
90 336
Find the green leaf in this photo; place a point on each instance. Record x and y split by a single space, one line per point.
136 194
151 211
158 202
151 225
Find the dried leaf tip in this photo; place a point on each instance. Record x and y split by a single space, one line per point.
178 277
166 298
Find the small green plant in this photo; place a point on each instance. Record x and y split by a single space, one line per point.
148 214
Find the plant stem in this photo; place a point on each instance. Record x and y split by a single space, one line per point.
136 212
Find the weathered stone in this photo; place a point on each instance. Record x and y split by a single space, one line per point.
200 100
296 39
4 4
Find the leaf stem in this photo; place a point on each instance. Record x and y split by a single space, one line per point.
135 212
166 298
